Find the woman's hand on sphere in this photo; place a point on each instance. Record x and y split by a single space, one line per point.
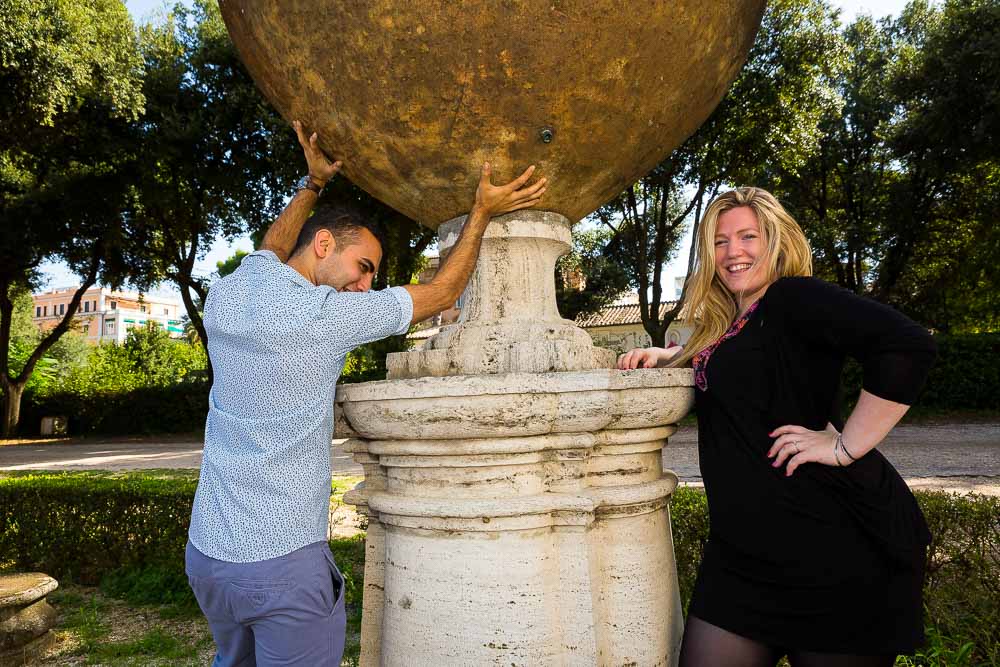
796 445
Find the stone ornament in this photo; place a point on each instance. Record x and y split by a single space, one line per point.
414 96
26 619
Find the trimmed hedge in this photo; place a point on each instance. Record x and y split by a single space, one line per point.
83 526
129 531
126 532
180 408
965 376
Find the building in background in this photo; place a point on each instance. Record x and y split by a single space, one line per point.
106 315
618 326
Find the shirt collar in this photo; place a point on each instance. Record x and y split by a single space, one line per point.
291 273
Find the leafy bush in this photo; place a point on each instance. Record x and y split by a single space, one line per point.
82 527
961 591
149 384
178 408
129 531
689 520
965 376
126 532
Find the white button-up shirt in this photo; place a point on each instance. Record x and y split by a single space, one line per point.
277 344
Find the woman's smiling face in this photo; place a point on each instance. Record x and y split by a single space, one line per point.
738 251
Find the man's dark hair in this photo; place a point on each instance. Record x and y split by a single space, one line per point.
343 220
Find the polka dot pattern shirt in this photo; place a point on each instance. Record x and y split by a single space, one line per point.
277 344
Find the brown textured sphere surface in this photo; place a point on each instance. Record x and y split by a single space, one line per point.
413 96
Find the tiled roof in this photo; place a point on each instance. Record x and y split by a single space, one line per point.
617 314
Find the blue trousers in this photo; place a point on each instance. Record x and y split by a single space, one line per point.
281 611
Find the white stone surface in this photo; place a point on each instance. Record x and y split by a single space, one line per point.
509 321
513 405
524 546
517 502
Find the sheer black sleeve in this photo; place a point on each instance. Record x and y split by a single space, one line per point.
895 352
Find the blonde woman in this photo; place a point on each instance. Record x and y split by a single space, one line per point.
816 547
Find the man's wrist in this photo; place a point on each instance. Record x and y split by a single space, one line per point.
480 213
311 183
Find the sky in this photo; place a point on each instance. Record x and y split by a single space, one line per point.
143 10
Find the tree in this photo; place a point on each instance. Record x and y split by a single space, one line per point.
230 264
69 82
840 195
939 263
769 117
899 201
221 160
589 277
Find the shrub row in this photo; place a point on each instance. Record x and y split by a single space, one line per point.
965 376
131 530
80 526
126 532
178 408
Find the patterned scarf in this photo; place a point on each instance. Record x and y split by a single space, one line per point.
700 360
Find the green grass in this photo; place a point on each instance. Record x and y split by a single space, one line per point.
155 643
151 473
83 617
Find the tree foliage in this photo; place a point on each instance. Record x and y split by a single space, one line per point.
219 160
898 201
69 83
590 262
770 116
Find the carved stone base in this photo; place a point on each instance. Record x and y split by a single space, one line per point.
26 618
517 519
509 321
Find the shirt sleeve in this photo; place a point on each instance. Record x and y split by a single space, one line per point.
350 319
895 352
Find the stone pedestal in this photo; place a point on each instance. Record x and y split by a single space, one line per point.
509 321
26 619
518 508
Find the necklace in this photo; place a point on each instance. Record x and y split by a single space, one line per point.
700 360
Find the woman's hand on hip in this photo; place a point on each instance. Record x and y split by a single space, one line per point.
795 445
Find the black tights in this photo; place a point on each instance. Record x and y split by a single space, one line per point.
707 645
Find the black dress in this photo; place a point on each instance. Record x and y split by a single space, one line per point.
830 559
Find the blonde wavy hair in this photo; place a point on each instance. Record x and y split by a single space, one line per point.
709 304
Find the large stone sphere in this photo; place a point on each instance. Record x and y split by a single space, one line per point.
413 96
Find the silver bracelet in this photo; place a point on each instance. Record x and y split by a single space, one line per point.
840 441
836 451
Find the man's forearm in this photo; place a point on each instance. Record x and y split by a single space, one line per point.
284 232
449 282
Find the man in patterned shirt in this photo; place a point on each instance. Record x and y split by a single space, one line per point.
279 328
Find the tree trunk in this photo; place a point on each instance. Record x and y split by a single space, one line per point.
12 392
197 323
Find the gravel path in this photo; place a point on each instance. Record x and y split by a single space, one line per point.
961 457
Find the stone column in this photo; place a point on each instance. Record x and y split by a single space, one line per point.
518 508
509 321
26 618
